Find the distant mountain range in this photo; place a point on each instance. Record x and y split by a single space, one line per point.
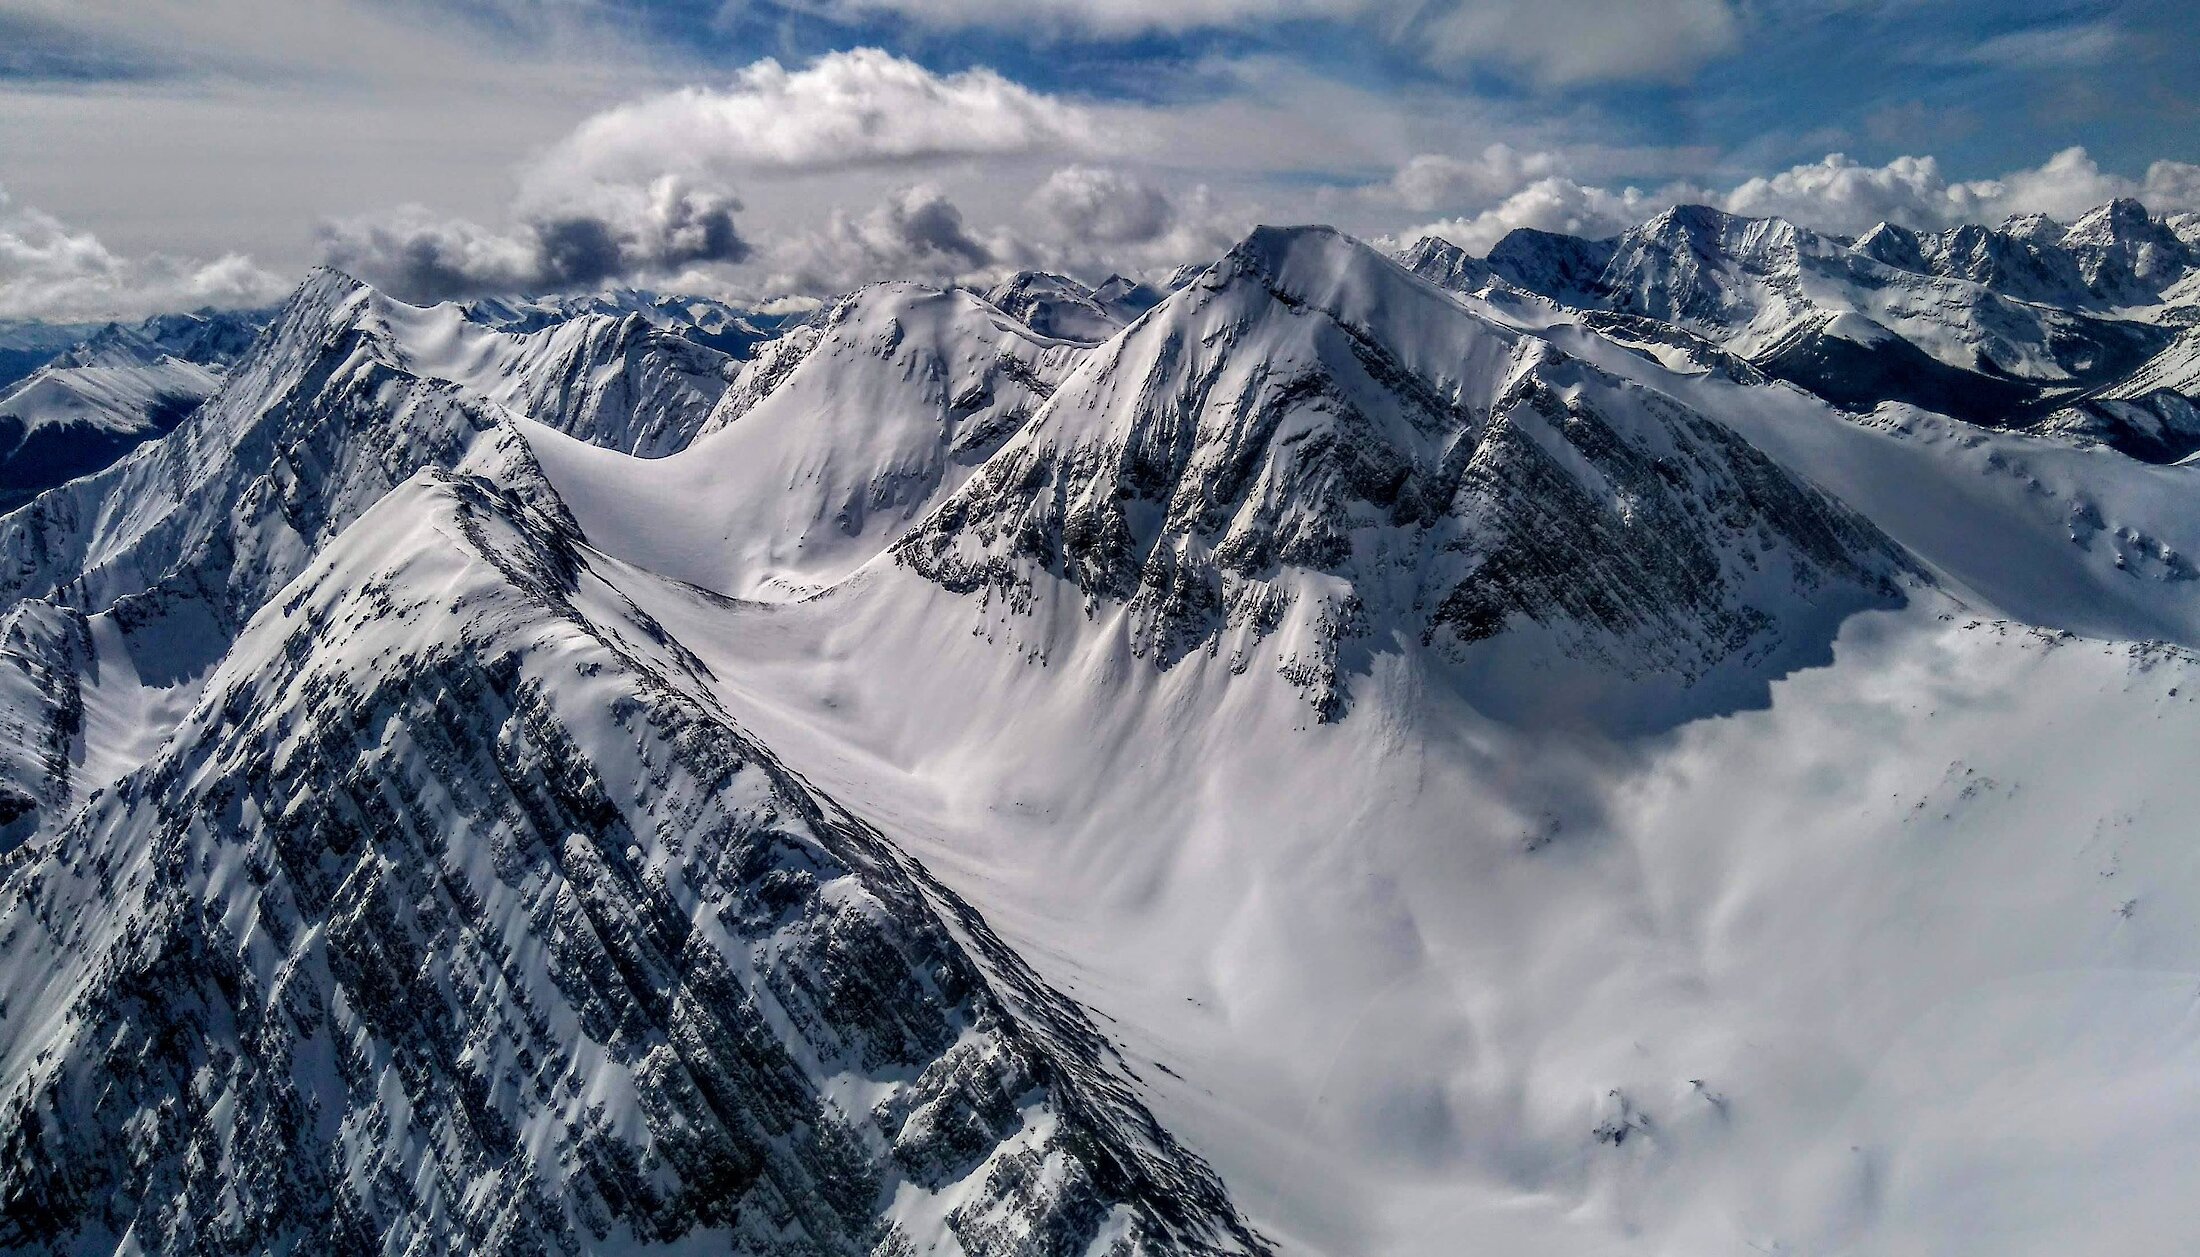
2029 325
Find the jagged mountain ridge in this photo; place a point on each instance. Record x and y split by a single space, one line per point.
729 329
1309 445
1997 326
28 344
101 397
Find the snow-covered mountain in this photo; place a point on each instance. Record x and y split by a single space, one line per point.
1554 752
1998 326
707 321
633 369
739 1011
829 446
102 396
1306 454
26 345
1058 306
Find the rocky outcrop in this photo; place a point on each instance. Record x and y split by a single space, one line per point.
1309 454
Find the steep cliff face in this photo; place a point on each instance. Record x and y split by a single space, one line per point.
505 939
1309 454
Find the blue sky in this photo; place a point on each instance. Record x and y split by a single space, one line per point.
156 152
1878 77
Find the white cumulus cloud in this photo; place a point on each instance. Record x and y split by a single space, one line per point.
845 110
612 233
1097 204
917 233
1440 181
49 271
1553 204
1841 195
1835 194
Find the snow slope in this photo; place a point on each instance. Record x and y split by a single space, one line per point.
817 459
616 380
1902 962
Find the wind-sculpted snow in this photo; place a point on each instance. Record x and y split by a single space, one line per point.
456 919
612 380
1309 453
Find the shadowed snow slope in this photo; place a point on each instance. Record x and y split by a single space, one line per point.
104 396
